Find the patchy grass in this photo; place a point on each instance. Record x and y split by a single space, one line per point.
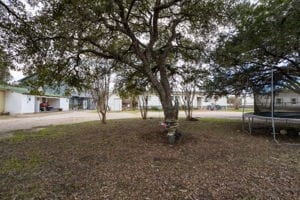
130 159
221 120
38 133
240 110
18 165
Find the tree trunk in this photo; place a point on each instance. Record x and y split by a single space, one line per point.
143 106
256 106
188 98
170 113
163 88
189 113
236 103
102 106
169 109
176 109
103 117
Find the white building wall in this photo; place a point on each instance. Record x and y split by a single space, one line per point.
16 103
13 102
286 99
154 101
28 104
222 101
195 101
283 102
64 104
249 101
115 103
85 104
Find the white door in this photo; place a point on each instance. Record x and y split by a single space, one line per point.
117 105
85 104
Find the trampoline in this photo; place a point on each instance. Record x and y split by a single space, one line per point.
274 110
283 117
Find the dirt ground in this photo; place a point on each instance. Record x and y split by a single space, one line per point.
130 159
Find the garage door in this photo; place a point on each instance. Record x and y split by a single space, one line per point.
2 100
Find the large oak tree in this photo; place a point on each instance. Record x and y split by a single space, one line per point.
146 36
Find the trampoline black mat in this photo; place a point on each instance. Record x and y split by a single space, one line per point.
291 115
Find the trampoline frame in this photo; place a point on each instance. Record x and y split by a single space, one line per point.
251 116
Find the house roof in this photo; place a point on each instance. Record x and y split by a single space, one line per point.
24 90
14 89
30 77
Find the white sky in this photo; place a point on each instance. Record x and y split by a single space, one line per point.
17 75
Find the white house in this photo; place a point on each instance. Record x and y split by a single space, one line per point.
247 100
204 102
114 103
153 101
16 100
17 103
53 101
284 101
200 101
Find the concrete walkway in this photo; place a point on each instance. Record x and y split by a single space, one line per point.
29 121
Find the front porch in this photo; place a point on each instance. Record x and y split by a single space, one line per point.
51 104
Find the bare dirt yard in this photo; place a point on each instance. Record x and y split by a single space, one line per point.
130 159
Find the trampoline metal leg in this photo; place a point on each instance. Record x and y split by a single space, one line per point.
252 119
243 126
249 124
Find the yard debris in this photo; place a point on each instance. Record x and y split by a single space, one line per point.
131 159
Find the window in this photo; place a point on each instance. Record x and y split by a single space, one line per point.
293 100
278 101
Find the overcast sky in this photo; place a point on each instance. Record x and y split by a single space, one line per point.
17 75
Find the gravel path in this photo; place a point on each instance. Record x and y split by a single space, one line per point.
29 121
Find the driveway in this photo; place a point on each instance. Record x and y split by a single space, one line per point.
29 121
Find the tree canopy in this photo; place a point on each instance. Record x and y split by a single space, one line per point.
5 66
145 36
265 37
